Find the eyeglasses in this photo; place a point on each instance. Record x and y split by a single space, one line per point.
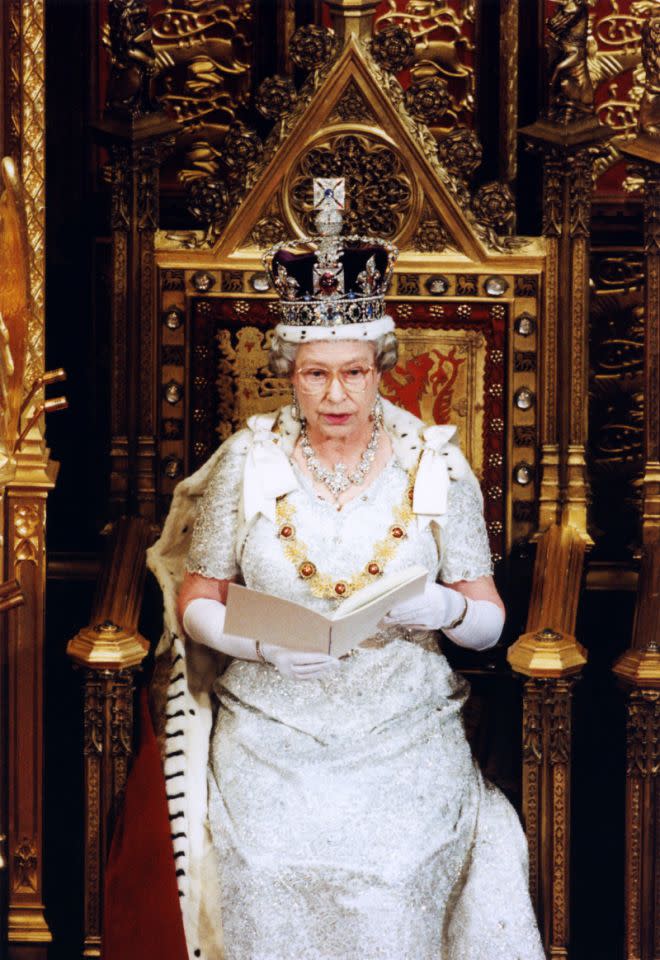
354 379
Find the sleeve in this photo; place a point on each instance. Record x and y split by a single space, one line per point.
464 547
212 550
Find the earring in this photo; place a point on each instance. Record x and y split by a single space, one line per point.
377 412
295 407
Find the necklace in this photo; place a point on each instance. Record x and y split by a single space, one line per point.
322 584
339 479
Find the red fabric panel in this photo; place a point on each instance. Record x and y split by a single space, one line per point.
142 914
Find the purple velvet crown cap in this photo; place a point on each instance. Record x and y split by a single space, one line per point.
300 266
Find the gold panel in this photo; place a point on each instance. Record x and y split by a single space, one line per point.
440 377
238 367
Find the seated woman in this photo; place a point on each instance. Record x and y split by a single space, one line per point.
346 813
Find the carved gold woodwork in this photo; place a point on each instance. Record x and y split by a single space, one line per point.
471 223
25 19
443 39
569 152
203 68
23 511
136 150
616 413
381 193
549 656
614 61
23 500
109 649
638 670
509 54
10 595
644 152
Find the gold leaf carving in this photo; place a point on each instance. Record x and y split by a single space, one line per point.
26 861
352 107
379 188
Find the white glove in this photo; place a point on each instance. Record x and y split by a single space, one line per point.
439 606
431 610
295 663
204 620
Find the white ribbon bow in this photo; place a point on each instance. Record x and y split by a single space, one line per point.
267 474
432 482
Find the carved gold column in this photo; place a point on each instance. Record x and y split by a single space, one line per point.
25 560
568 158
638 669
550 657
136 151
110 650
509 26
569 138
137 134
352 18
23 501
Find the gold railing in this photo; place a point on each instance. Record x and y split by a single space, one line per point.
550 658
638 669
110 650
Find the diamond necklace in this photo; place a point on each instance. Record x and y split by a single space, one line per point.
339 479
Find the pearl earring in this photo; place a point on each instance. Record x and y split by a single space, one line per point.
295 407
377 411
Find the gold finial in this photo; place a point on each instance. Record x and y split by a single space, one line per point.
546 653
107 646
352 18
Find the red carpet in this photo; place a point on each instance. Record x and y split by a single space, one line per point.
142 915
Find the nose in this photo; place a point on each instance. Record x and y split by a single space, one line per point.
336 390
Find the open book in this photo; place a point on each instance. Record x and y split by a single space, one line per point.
270 619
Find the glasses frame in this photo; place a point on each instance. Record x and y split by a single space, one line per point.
334 375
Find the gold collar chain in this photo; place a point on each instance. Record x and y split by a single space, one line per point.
324 586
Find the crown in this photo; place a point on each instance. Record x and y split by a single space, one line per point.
336 281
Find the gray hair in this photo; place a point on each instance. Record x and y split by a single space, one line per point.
282 357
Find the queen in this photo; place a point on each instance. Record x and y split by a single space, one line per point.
330 809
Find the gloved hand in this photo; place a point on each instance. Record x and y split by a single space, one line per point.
437 607
204 619
294 663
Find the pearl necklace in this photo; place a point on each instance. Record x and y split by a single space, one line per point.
339 480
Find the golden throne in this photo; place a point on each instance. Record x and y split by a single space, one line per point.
492 332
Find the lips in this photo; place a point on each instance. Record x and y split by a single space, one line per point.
336 417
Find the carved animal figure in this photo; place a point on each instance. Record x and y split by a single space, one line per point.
571 89
649 108
128 39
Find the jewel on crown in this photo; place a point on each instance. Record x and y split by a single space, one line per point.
330 280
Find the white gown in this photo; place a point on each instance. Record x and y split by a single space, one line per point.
349 818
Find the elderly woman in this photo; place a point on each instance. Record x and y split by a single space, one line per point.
347 816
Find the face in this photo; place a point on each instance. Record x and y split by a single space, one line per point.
323 376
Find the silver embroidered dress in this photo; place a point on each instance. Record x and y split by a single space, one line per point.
348 816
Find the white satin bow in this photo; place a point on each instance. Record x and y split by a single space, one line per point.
267 474
433 474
